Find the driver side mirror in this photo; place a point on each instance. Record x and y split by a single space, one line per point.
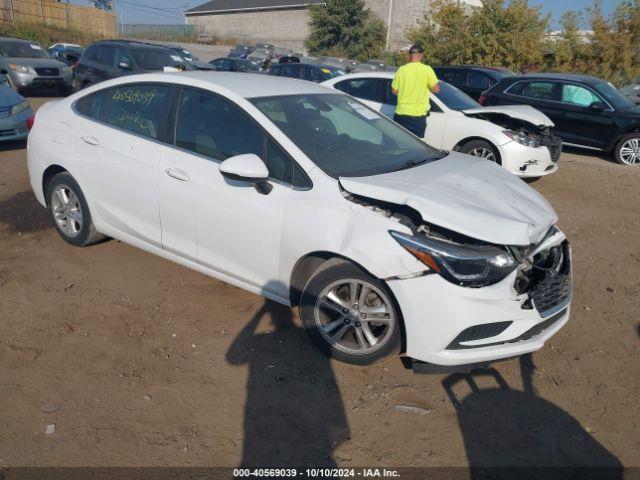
598 106
247 168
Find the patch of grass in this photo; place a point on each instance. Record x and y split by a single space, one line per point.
47 35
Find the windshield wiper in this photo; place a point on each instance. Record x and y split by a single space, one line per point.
412 163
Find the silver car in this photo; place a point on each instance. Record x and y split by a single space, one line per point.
14 114
28 66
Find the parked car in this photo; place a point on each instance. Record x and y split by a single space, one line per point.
632 92
28 66
289 59
280 52
471 79
68 53
15 113
265 46
372 66
516 137
187 56
234 65
305 71
115 58
241 51
587 111
343 64
306 196
262 57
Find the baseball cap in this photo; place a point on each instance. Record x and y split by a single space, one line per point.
416 49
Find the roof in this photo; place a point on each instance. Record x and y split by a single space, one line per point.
228 6
247 85
588 79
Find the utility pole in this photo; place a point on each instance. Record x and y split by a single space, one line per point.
389 23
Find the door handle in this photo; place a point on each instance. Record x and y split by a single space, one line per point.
91 140
177 174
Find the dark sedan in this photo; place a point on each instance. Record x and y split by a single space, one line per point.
234 65
472 79
587 111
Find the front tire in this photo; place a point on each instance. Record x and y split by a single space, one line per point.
350 315
481 149
70 212
627 150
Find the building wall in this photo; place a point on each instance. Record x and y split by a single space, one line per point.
285 28
290 28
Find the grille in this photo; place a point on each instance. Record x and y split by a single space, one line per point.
554 144
5 112
48 72
554 291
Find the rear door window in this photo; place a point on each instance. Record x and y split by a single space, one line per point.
454 76
106 56
372 89
540 90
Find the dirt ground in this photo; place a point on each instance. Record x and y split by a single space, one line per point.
138 361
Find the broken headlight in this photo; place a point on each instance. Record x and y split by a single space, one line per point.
523 138
465 265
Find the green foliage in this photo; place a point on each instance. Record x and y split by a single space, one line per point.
345 28
495 34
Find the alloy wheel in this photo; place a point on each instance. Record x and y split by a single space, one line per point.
354 316
630 152
483 153
67 211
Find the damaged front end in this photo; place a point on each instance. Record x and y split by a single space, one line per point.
522 131
542 271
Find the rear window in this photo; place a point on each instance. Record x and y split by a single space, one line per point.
22 50
452 75
138 108
541 90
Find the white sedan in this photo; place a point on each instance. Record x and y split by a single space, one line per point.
307 197
515 136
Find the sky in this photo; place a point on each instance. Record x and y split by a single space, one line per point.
168 11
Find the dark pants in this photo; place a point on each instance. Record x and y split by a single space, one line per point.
416 125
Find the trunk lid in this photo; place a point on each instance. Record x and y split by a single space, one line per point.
467 195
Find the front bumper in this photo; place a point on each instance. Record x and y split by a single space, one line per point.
35 81
450 325
14 127
527 162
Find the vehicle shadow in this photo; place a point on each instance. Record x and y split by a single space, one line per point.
22 213
508 432
12 146
584 152
294 415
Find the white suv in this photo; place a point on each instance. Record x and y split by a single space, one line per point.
304 195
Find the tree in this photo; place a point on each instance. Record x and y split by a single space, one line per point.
345 28
494 34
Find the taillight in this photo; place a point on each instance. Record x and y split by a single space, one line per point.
483 98
31 121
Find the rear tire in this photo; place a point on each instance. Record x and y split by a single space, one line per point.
481 149
350 315
70 212
627 150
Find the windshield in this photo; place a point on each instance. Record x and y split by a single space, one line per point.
22 50
343 137
613 96
454 98
150 59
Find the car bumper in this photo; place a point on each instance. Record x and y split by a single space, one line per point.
15 127
529 162
450 325
35 81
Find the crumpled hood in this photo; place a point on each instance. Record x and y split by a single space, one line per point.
467 195
525 113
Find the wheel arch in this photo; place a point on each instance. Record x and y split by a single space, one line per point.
466 140
306 266
614 143
50 172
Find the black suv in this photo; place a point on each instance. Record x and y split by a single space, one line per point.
306 71
115 58
471 79
587 111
